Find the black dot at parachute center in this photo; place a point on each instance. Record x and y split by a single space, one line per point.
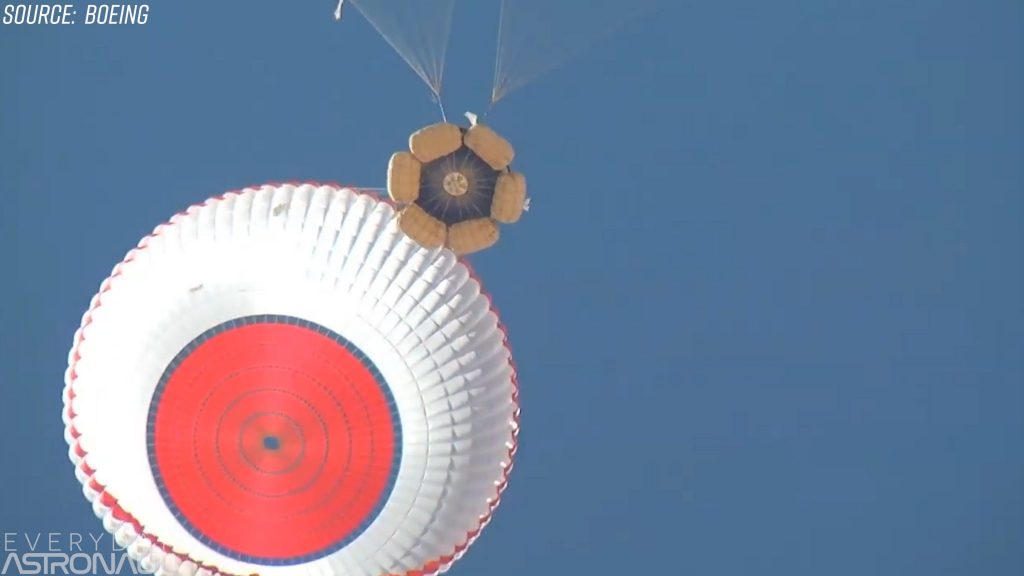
271 442
476 203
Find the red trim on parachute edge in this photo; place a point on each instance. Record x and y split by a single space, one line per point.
430 568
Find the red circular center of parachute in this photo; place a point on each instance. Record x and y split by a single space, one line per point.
273 440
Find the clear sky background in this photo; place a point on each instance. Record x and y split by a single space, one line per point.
768 306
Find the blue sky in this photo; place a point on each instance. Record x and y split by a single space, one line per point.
768 306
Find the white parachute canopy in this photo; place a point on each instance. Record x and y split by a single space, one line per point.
278 381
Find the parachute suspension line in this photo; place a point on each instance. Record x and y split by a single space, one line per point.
497 88
436 96
538 36
421 42
415 68
440 104
443 56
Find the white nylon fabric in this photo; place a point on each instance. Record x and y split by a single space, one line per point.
337 258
